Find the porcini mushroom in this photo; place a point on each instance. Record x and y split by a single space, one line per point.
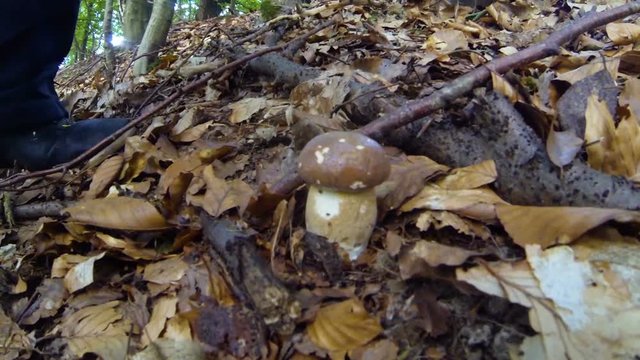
342 169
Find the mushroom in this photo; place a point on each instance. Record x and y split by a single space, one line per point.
342 168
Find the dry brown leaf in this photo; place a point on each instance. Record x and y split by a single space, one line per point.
384 349
127 247
222 195
244 109
98 329
14 340
444 42
502 86
171 349
615 151
623 33
549 226
81 274
563 146
433 254
589 69
407 177
104 176
343 326
630 96
470 177
166 271
122 213
441 219
194 133
599 133
163 308
475 203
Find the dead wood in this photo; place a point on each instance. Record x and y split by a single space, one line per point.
254 284
526 176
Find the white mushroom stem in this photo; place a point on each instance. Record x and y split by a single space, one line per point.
345 218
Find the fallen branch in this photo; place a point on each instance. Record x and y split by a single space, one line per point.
196 84
417 109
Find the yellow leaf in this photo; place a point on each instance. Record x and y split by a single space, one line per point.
470 177
549 226
343 326
164 308
599 133
502 86
165 271
121 213
623 33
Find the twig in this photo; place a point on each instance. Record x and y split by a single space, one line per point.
459 87
138 120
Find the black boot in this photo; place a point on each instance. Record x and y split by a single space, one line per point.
54 144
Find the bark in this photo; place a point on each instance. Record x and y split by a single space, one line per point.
155 34
208 9
136 18
107 27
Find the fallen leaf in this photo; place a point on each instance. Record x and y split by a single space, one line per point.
571 292
343 326
163 308
563 146
244 109
406 178
165 271
122 213
441 219
171 349
222 195
623 33
470 177
104 176
432 254
547 226
15 341
475 203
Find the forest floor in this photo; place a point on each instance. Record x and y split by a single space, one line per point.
186 239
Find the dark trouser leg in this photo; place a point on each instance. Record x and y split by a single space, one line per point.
35 36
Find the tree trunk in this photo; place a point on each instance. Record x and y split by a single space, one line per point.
208 9
155 35
136 18
107 27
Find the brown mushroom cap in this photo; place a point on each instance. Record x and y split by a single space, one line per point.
344 161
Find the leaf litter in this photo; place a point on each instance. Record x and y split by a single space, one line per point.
134 259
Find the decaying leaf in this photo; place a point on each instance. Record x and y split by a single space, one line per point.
475 203
98 329
343 326
407 177
571 293
163 309
432 254
547 226
441 219
222 195
105 174
244 109
563 146
623 33
14 340
123 213
171 349
470 177
166 271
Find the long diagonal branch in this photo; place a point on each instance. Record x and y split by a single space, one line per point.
464 84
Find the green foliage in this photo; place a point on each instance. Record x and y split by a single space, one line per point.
269 10
247 6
